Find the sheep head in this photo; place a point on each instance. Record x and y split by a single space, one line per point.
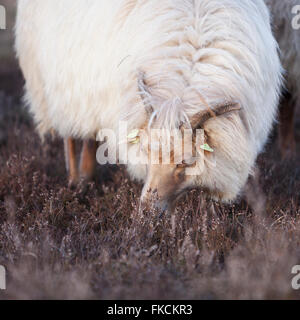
176 169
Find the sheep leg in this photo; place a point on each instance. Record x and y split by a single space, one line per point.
254 194
71 162
287 142
88 160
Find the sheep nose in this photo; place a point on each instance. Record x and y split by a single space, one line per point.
161 206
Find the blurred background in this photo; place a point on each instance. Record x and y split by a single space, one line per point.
11 81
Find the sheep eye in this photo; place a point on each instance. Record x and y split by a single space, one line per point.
182 165
179 173
186 164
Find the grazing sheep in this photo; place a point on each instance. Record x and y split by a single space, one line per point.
289 42
164 64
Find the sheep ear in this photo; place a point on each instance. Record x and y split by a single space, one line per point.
198 120
144 93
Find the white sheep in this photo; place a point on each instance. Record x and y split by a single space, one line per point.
285 20
90 64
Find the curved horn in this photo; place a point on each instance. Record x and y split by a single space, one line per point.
200 118
145 94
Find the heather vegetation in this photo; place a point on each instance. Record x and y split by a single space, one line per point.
93 241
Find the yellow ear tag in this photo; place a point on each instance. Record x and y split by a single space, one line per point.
206 147
133 136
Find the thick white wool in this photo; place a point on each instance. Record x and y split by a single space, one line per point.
81 60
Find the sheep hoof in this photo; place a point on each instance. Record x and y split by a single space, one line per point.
85 178
289 153
72 183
